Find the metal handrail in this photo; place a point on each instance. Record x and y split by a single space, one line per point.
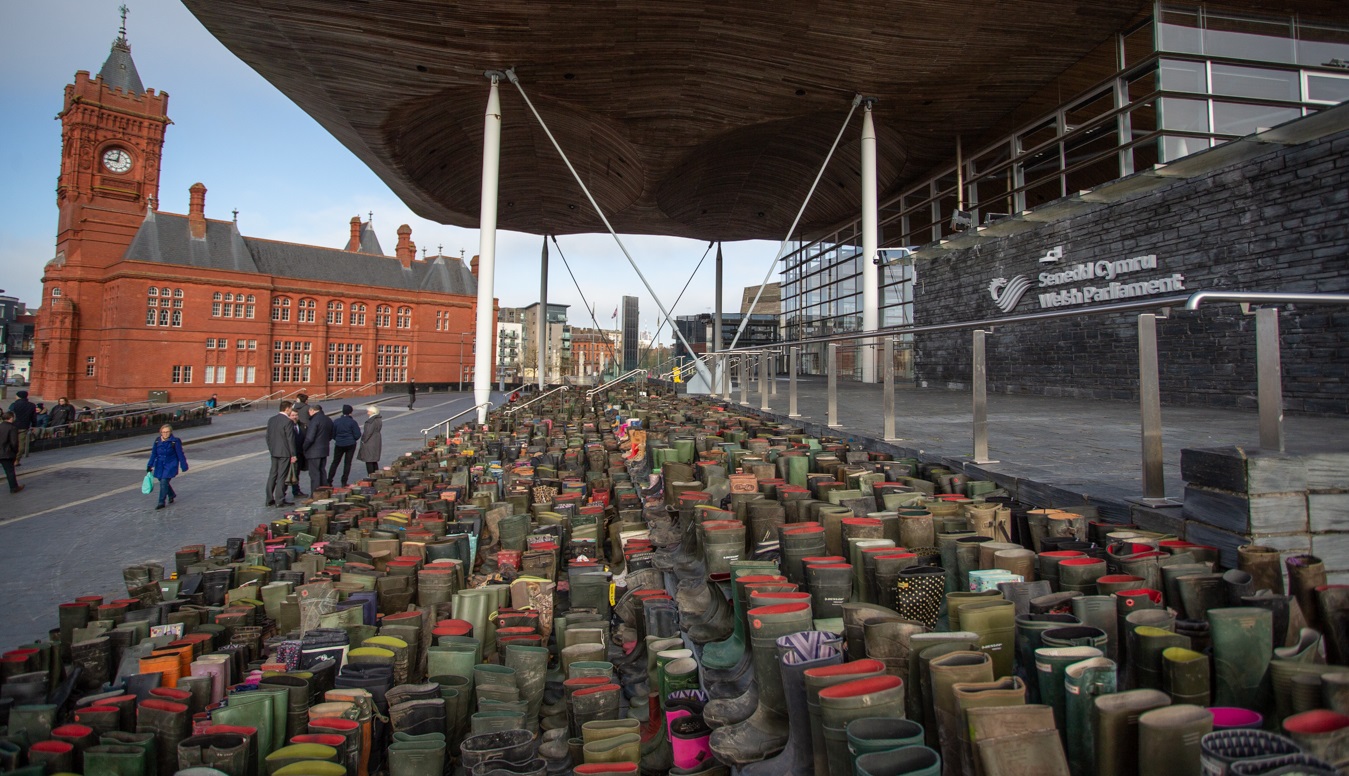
518 407
591 393
100 415
446 422
1262 297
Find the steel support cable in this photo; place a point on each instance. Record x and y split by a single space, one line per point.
782 247
675 306
510 74
584 301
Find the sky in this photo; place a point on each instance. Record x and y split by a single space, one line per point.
290 180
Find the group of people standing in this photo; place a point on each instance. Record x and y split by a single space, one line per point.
303 437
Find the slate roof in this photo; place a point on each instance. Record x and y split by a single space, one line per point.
164 238
119 72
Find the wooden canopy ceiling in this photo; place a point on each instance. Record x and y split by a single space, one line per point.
697 119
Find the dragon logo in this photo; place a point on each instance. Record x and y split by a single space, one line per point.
1007 293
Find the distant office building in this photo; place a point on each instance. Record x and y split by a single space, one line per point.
594 352
761 331
631 335
558 358
510 343
16 341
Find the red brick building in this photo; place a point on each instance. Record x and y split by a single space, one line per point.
139 300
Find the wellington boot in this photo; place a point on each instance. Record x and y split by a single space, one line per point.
1307 649
516 746
1185 676
115 760
1016 741
1029 629
294 753
1099 611
1080 574
1263 564
888 642
1051 663
690 742
228 753
706 616
926 647
765 732
842 703
819 678
1238 584
1021 593
954 602
1168 739
830 587
967 558
799 653
1305 574
995 622
1145 654
919 594
1054 603
1083 683
856 616
1199 593
145 744
729 652
52 756
1075 636
623 748
729 711
1114 725
1321 733
1241 655
946 672
909 761
531 669
420 758
170 723
1114 583
1332 602
1008 691
882 734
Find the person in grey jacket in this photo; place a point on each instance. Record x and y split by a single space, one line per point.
346 435
372 443
281 447
318 438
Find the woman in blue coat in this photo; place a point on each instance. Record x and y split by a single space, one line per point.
166 460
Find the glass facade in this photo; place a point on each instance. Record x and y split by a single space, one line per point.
1189 78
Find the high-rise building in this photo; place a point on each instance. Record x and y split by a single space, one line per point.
631 344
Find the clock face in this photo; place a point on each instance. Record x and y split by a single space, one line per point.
116 160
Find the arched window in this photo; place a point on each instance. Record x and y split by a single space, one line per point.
357 313
383 316
281 308
178 293
405 317
308 312
335 313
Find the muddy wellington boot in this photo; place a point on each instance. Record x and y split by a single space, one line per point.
946 672
999 693
1016 741
1264 566
765 732
817 680
1241 655
1084 682
1305 574
799 652
1333 604
1114 733
1168 739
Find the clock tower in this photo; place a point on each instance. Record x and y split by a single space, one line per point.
112 139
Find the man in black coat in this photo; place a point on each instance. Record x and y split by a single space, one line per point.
281 446
318 439
9 447
25 414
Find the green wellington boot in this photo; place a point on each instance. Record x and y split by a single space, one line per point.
1145 654
995 622
1168 739
948 671
882 734
909 761
1262 563
878 696
817 680
1114 729
765 732
1016 741
1242 649
999 693
1084 682
1185 676
1050 665
927 647
416 758
145 744
113 760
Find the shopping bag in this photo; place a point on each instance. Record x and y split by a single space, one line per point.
148 484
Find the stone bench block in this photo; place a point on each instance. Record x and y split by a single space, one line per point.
1241 470
1243 514
1328 511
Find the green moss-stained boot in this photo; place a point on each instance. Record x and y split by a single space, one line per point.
1185 676
1168 739
1050 665
1114 729
1084 682
909 761
1242 649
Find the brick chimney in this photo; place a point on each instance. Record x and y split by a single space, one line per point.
196 211
354 243
406 252
473 265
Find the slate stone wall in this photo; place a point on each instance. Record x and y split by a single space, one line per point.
1278 222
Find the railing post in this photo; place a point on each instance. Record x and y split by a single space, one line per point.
888 387
725 372
744 379
763 382
979 383
1150 409
832 369
1269 373
791 381
773 381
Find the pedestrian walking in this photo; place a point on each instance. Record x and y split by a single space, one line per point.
25 413
166 460
63 414
9 448
372 441
318 440
281 447
412 393
346 435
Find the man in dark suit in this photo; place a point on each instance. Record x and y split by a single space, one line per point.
318 440
281 446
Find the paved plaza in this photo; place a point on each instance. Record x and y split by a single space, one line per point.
82 517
